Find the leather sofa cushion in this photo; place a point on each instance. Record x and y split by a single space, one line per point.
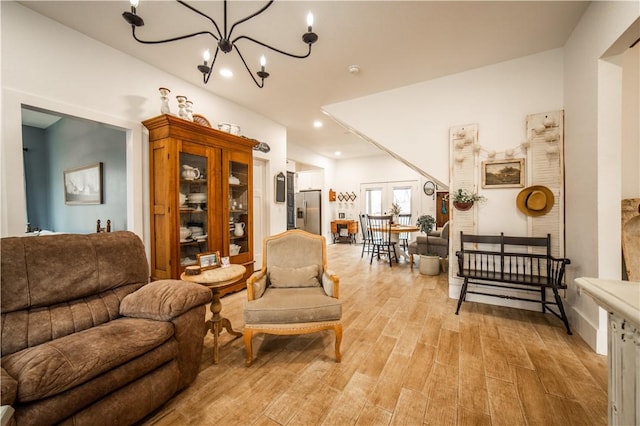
305 276
292 305
164 300
61 364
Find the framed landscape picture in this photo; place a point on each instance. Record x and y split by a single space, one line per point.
503 173
83 185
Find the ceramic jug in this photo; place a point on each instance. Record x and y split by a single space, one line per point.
189 172
239 229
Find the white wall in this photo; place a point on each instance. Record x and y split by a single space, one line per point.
592 152
48 65
414 121
631 123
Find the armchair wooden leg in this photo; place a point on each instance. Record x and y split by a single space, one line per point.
248 334
338 331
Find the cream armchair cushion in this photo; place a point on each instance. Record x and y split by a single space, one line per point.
305 276
293 293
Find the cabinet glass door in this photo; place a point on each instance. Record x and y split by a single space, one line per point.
193 207
238 208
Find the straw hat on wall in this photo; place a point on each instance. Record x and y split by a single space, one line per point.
535 200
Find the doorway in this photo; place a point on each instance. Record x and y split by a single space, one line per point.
53 144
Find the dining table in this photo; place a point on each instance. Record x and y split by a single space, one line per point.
396 230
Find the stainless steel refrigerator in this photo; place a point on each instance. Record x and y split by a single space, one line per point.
308 211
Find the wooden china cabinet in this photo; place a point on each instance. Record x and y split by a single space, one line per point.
201 196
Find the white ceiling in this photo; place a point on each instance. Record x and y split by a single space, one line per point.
395 43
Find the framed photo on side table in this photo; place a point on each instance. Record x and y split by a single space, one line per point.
503 173
209 260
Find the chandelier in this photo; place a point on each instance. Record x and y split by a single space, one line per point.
225 42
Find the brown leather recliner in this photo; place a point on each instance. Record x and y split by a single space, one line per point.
86 339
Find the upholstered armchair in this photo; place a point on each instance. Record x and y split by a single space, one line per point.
437 242
294 292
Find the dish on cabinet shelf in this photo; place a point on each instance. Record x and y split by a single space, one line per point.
197 197
186 261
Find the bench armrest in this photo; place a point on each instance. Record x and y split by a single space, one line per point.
164 300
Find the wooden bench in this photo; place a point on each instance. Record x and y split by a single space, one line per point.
516 263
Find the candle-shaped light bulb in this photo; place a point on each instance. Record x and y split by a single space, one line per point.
206 56
263 62
134 3
309 21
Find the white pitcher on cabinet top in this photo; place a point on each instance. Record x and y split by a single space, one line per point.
239 229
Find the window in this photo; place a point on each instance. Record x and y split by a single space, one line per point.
402 197
376 198
373 201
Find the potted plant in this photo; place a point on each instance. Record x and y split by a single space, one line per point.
426 223
429 262
395 211
464 200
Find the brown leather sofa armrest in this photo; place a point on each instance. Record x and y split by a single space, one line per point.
164 300
8 388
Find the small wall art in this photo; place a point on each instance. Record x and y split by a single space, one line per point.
83 185
503 173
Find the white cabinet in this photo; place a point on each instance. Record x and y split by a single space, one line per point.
622 301
309 180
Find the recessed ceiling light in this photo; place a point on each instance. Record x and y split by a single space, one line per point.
337 153
226 72
353 69
317 124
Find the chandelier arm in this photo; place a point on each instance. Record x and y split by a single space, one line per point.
133 31
205 78
248 70
205 15
292 55
265 7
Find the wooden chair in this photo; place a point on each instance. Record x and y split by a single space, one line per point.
294 292
380 228
366 235
404 219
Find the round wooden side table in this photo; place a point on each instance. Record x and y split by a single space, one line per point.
214 279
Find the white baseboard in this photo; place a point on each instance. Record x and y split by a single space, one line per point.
595 337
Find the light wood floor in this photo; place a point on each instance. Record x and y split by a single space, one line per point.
406 359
